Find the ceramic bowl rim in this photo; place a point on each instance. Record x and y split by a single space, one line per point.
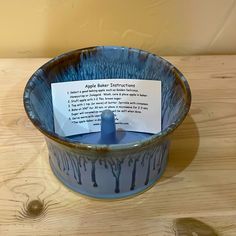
155 138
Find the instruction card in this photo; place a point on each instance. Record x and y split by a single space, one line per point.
78 105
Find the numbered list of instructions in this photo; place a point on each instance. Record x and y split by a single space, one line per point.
78 105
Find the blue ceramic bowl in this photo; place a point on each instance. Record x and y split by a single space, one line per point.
107 171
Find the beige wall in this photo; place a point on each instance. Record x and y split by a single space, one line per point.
36 28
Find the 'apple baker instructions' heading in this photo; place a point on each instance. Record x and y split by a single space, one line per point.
112 85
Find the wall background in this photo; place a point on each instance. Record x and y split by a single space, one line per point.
45 28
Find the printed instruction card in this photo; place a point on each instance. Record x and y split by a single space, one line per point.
77 105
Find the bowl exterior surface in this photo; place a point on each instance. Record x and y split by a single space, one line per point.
108 175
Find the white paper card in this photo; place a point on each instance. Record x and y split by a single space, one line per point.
78 105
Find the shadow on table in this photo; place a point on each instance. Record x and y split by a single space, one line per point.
184 146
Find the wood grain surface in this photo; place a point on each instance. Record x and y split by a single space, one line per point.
195 197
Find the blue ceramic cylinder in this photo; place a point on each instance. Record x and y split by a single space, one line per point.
115 170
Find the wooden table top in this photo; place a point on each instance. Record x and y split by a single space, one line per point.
196 195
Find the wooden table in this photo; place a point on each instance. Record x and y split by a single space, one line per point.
196 195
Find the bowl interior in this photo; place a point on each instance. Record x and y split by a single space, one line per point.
100 63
